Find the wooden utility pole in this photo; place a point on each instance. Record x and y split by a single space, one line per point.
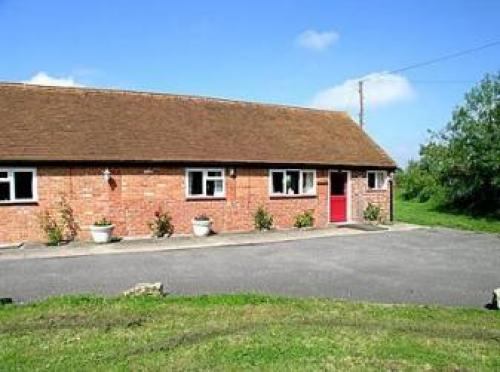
361 108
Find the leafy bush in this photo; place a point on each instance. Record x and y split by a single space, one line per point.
305 219
161 225
68 219
416 183
53 230
103 222
59 229
263 220
371 212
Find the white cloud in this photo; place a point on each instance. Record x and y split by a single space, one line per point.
379 89
43 78
317 40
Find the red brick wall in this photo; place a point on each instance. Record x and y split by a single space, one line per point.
362 195
134 194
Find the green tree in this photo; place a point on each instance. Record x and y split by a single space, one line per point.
464 158
416 182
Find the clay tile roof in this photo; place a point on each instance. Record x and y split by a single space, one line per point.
79 125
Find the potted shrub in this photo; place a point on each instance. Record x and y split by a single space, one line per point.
102 231
202 225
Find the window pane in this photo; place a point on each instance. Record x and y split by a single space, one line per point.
308 182
214 188
338 183
4 191
3 174
277 182
371 180
380 180
292 182
23 185
195 183
218 187
210 188
214 174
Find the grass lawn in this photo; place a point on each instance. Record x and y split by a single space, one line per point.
427 214
243 331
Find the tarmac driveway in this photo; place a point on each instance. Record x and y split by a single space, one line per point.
422 266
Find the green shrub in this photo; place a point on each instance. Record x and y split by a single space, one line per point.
68 219
62 228
305 219
53 229
371 213
161 225
263 220
416 183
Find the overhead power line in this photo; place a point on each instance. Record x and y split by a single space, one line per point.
422 64
446 57
442 81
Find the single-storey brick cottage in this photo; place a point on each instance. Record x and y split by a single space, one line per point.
123 155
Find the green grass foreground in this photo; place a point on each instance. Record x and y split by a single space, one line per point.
428 214
243 331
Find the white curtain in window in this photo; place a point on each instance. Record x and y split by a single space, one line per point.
308 182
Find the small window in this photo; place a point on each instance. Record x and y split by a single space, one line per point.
17 185
205 183
308 182
289 182
195 183
23 185
214 174
4 191
292 182
277 179
376 180
214 187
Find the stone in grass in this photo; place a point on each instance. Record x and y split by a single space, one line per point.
148 289
495 302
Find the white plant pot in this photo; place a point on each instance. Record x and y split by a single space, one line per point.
102 234
202 228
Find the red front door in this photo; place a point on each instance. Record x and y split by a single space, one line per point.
338 196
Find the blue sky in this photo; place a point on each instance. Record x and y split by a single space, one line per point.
289 52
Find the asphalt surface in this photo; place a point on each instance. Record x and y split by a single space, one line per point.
433 266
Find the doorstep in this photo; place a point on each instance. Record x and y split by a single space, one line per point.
143 245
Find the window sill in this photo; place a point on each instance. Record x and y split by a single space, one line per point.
295 196
376 190
205 198
19 202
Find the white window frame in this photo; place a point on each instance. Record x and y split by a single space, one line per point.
301 177
377 187
10 180
205 178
